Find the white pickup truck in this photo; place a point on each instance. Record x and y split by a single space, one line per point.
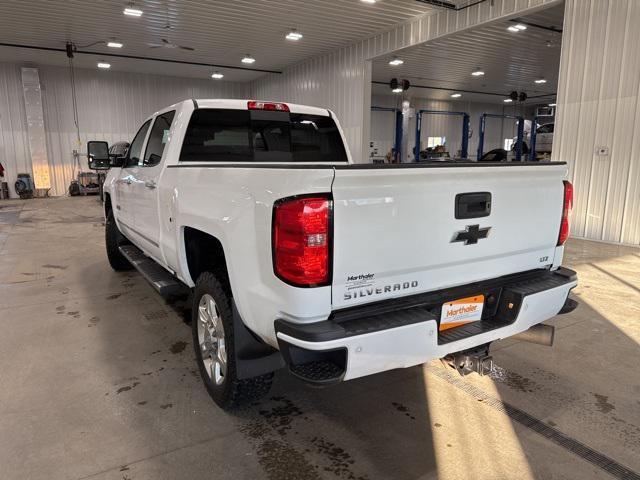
295 256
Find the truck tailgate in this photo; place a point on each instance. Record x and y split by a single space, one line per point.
394 228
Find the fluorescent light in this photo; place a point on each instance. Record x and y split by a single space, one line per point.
540 80
368 1
217 75
248 59
396 61
512 28
552 104
477 73
114 44
398 89
507 100
294 36
520 26
456 95
132 11
104 65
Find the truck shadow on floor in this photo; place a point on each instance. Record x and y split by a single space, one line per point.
355 430
381 427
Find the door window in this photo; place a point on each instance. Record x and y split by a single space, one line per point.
135 150
157 139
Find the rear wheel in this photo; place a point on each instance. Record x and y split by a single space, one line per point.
213 341
114 239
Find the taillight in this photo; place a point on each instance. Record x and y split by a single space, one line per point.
274 106
302 240
566 209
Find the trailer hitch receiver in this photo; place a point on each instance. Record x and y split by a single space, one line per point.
475 360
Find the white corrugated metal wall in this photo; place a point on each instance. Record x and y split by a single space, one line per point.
336 81
111 107
14 142
599 106
341 80
383 126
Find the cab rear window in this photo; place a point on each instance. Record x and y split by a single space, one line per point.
224 135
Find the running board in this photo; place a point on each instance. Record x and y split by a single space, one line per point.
165 283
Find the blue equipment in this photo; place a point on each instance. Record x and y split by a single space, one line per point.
483 122
397 142
534 132
465 130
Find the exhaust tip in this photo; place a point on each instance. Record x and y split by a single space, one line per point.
540 334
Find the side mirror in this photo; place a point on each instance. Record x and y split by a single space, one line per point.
117 161
98 155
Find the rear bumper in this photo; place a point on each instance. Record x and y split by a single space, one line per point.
404 332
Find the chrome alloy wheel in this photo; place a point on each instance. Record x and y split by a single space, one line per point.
211 339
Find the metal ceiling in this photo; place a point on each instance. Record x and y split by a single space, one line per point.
221 31
511 61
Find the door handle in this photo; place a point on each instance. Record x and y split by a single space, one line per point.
150 184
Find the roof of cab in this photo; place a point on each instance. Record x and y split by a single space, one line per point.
242 105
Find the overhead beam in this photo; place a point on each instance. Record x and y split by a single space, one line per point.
138 57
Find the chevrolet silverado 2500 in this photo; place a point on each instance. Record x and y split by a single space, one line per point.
295 256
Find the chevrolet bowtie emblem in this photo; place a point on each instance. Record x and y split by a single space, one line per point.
471 234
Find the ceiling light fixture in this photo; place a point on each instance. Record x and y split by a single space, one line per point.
114 44
520 26
248 59
217 75
132 10
397 89
512 28
507 100
552 104
540 81
456 95
293 35
395 61
368 1
104 65
477 73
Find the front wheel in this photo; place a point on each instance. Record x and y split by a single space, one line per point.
213 341
114 239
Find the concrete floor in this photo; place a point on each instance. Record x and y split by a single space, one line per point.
98 381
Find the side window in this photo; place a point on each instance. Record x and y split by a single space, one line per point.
157 139
135 150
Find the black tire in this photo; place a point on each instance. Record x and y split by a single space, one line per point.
114 239
231 392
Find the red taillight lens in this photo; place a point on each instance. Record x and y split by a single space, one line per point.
566 209
302 240
275 106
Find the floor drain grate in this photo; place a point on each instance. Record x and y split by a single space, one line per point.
556 436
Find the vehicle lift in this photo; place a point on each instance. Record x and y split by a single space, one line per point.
532 147
397 142
483 124
465 130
